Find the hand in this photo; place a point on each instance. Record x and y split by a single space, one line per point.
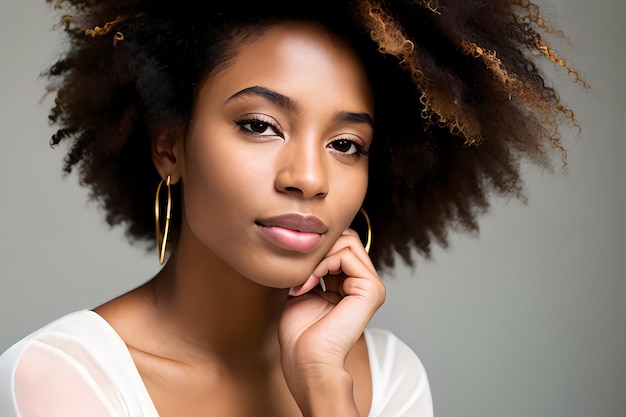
318 329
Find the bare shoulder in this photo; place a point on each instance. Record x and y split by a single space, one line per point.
128 314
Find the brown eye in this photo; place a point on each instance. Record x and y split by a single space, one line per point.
258 127
344 146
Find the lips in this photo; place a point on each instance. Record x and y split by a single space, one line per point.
297 222
294 232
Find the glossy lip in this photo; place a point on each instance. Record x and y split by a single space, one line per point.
293 231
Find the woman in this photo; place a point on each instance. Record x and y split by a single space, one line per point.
264 129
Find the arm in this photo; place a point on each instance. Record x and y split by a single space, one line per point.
319 328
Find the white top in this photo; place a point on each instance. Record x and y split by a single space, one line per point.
78 366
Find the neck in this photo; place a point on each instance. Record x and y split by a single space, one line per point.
213 309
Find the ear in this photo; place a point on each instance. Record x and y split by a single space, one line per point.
167 145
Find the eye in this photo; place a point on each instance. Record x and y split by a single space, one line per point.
256 126
259 126
347 147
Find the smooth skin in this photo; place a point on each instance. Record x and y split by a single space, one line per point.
236 324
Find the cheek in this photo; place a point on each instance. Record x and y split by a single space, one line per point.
225 181
210 180
351 190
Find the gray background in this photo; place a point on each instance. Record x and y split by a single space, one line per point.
525 319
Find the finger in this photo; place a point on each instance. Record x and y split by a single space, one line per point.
356 278
350 238
325 284
363 292
307 286
346 261
345 247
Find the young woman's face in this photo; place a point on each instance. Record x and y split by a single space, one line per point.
274 168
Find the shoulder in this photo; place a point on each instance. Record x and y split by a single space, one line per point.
68 367
399 381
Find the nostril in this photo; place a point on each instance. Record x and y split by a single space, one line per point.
293 189
296 190
302 178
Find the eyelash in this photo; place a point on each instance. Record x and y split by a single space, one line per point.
261 121
359 150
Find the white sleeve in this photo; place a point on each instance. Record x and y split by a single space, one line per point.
399 382
50 376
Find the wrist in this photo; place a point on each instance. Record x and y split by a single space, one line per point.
320 391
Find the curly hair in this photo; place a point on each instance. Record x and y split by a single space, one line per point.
459 95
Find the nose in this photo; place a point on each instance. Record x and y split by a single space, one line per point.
302 169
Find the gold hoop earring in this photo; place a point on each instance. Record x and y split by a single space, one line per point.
368 243
161 236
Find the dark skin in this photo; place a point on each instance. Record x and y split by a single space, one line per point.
236 324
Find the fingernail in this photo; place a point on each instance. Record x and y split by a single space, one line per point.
323 284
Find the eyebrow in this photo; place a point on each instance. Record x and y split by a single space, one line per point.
294 107
351 117
270 95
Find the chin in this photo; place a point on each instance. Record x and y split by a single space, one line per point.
280 273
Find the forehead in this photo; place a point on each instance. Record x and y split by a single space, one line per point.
302 60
